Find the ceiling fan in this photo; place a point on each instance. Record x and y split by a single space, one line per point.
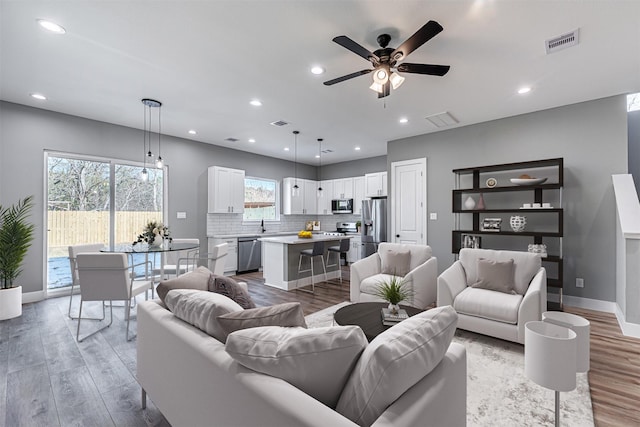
385 60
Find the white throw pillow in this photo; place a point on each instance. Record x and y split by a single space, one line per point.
201 309
395 361
317 361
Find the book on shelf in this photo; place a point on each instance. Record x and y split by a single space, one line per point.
390 319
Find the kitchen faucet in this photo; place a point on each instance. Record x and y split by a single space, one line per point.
262 226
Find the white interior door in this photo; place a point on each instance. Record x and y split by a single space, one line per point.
408 201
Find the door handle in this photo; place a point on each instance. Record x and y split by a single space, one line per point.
397 236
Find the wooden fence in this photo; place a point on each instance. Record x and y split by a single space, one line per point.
78 227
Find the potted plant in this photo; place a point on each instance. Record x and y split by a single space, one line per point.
394 290
16 235
358 224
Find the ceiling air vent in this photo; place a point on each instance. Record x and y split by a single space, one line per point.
327 151
232 139
561 42
441 120
280 123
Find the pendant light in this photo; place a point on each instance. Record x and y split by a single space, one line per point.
319 191
295 190
148 105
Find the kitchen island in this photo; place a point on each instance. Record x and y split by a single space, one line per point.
280 256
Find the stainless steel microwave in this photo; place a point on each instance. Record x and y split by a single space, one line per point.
342 206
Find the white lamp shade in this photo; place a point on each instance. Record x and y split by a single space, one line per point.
581 327
550 355
377 87
396 80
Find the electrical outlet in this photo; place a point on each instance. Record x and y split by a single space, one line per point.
579 282
181 215
433 216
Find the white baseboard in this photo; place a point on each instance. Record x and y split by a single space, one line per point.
28 297
628 329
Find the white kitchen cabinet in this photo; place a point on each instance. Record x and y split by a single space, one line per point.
226 190
375 184
324 202
343 188
354 249
303 203
358 194
231 263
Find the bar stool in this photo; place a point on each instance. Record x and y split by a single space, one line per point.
339 250
316 251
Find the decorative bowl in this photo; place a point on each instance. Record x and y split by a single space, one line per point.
527 181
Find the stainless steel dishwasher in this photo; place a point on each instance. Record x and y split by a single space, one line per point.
249 254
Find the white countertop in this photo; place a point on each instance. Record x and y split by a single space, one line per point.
295 240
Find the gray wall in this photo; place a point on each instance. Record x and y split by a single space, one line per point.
354 168
634 146
26 132
592 139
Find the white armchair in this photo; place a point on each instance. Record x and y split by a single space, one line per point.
369 272
491 312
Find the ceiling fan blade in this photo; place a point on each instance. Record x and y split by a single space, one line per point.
386 90
431 69
354 47
423 35
347 77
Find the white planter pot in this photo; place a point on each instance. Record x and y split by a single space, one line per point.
10 303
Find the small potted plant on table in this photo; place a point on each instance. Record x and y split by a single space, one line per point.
394 290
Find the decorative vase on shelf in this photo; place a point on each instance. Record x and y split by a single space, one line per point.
481 203
469 203
518 223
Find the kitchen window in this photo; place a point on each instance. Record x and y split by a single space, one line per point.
261 197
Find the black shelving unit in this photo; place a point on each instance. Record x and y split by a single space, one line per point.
536 193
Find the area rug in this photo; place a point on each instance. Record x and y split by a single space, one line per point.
498 393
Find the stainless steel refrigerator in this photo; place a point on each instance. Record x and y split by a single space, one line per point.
374 225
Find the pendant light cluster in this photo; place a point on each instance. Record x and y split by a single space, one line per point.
295 190
146 147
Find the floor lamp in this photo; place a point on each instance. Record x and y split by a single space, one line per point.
550 358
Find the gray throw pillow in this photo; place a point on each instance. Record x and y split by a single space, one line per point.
396 262
495 275
196 279
286 314
228 287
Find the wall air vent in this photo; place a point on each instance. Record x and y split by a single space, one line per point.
441 120
561 42
279 123
232 139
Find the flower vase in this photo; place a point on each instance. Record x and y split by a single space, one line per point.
469 203
393 308
157 241
481 204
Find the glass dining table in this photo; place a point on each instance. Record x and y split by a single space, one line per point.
141 253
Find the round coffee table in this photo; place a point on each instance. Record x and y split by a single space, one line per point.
367 316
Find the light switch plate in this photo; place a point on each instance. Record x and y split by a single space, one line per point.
181 215
433 216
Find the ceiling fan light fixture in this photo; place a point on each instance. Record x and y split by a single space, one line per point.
396 80
381 75
376 87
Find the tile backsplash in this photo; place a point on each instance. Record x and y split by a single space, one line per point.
230 224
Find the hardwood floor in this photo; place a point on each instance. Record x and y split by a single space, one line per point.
47 378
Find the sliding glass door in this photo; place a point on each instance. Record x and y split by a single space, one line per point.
92 200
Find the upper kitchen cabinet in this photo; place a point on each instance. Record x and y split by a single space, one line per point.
375 184
226 190
343 188
304 202
324 201
358 194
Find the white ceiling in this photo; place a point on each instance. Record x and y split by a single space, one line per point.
205 60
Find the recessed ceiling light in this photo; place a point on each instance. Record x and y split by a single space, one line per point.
255 102
404 120
286 148
317 70
51 26
38 96
357 148
192 132
523 90
317 156
252 140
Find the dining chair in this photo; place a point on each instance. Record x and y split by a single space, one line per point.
108 277
74 250
176 263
